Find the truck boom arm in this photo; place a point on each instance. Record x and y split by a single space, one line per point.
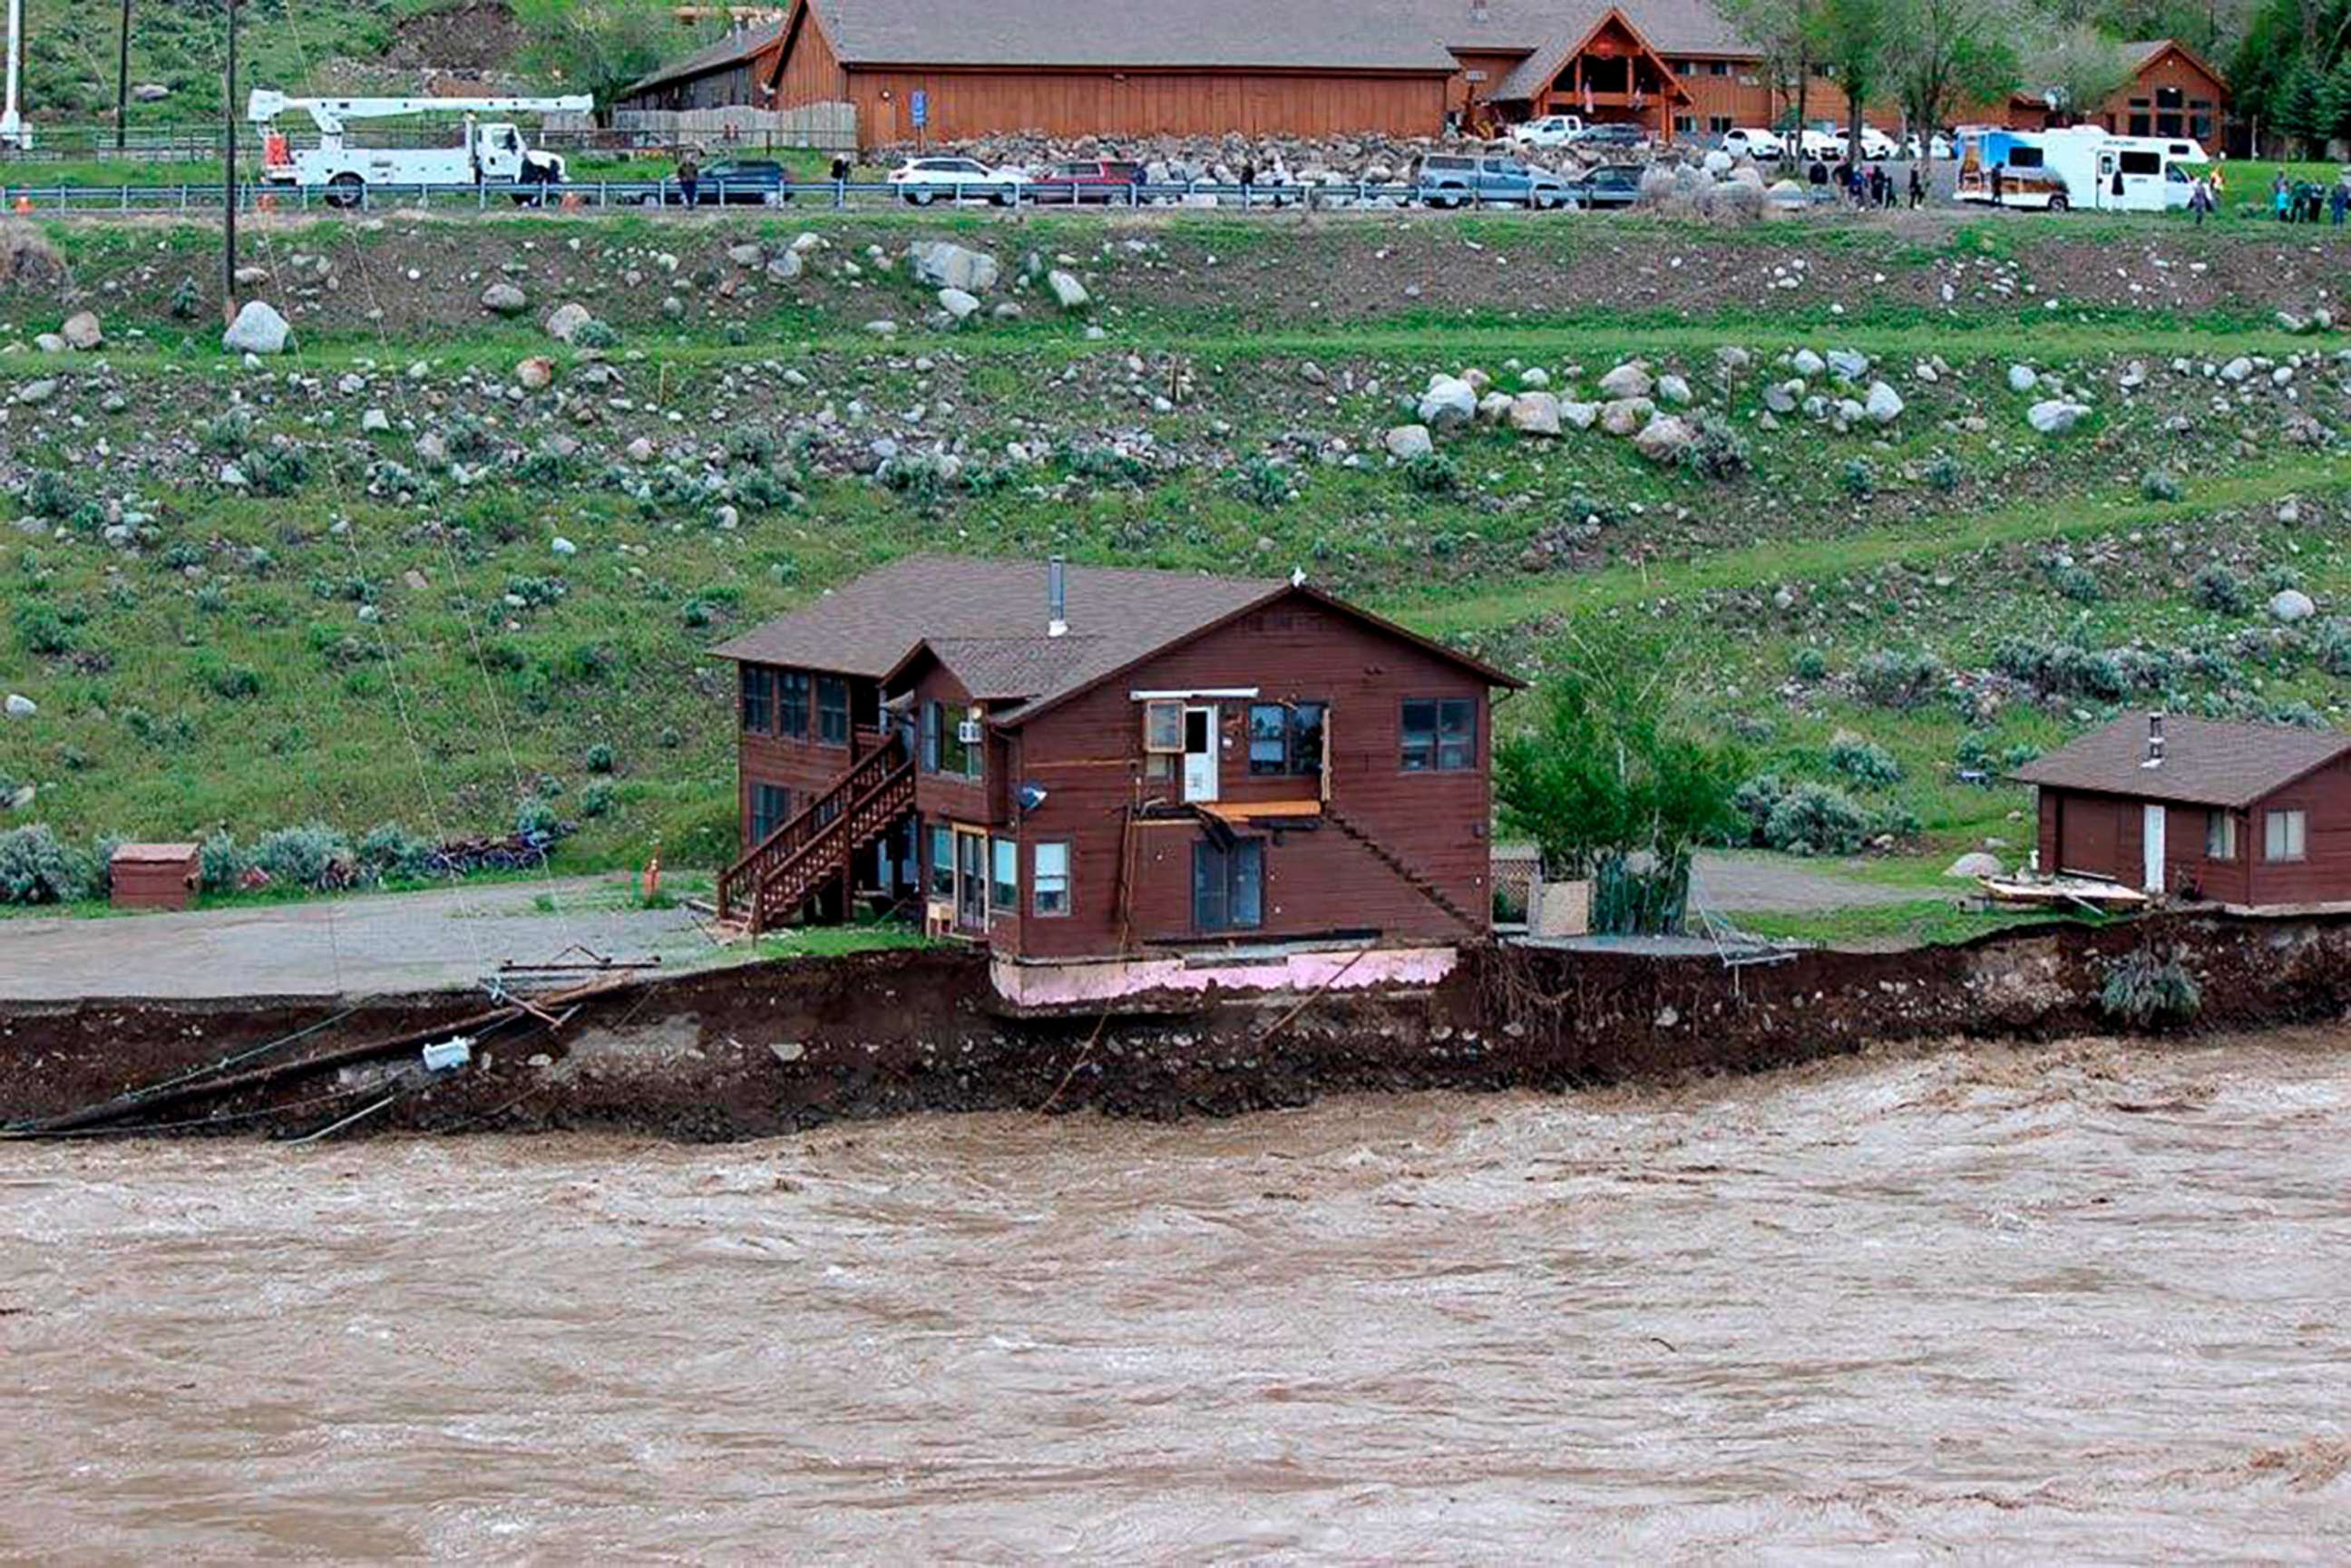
330 113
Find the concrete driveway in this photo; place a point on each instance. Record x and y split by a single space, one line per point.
331 947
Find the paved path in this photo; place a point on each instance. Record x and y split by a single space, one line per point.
1783 884
327 947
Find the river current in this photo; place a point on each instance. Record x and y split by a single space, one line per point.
2082 1302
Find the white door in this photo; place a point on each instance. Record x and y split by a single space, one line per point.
2152 840
1200 753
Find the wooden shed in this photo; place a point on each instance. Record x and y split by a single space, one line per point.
2249 815
154 876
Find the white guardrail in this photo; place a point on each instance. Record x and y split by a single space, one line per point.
34 198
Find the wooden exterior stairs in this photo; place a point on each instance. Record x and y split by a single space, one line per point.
772 883
1404 870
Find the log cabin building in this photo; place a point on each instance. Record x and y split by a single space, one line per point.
2171 92
1115 780
2246 815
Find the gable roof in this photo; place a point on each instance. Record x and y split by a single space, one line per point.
2144 52
2205 763
1532 75
731 50
984 621
1307 34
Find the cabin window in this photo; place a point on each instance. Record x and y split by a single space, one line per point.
1286 738
1719 68
792 704
1229 885
1048 878
941 862
1685 124
932 720
957 757
1718 124
2284 835
1440 735
1003 875
1163 727
2220 836
771 808
831 710
757 713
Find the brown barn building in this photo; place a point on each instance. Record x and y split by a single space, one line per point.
2243 814
2171 92
1106 774
1315 67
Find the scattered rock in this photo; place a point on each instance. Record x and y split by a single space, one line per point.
83 331
536 373
34 393
1625 415
1534 413
1582 415
2292 604
1448 404
959 303
943 265
1068 292
1665 439
1629 380
1848 364
1884 404
1406 442
2237 370
1807 364
2022 378
2055 416
257 329
503 299
786 268
1973 865
21 706
1672 391
564 546
565 321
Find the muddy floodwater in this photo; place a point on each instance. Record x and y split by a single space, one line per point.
2085 1302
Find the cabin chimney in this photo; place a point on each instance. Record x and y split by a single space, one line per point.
2154 741
1057 598
1477 10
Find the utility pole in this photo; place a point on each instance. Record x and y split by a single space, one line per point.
228 189
12 119
122 84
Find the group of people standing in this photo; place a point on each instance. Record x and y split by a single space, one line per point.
1860 186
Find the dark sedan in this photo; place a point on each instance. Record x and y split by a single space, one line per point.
1615 133
734 182
1093 179
1610 185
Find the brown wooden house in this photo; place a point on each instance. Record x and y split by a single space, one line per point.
2171 92
2243 814
1089 766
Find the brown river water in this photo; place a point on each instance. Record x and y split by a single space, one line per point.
2078 1303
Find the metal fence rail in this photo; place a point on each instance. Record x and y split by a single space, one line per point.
602 194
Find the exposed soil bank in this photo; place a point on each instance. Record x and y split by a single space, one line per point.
754 1052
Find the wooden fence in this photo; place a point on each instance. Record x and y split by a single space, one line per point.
828 127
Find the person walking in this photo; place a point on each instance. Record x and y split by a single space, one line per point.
2200 201
689 176
2282 197
1917 187
2338 203
1999 177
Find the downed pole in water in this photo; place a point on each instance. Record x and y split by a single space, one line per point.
183 1087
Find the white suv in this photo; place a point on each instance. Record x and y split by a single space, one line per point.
1754 141
922 181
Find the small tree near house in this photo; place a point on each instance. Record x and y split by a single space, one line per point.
1616 783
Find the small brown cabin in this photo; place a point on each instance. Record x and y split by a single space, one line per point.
1077 764
2243 814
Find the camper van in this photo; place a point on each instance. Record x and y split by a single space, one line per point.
2085 166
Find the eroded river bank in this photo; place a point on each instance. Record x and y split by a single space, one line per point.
2082 1301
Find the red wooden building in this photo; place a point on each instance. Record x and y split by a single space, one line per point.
2171 92
1108 775
2243 814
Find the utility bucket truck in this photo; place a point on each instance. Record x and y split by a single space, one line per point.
492 153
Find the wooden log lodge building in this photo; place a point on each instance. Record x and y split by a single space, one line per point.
1118 781
1304 69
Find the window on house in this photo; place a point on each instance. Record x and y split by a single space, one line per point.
1719 124
2284 835
1718 68
831 710
1163 727
758 714
1685 124
1003 875
1286 738
1229 885
771 808
932 717
1440 735
792 704
941 862
2220 835
1048 878
957 757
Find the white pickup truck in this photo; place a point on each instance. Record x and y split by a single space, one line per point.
1551 131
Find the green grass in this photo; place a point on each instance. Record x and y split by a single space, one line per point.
1924 923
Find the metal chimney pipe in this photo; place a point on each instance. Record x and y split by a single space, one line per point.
2154 741
1057 598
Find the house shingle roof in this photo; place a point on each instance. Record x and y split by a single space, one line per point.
984 621
730 50
2204 764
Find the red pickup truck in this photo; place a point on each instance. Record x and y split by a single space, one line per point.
1092 180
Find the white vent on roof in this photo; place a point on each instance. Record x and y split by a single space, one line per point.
2154 741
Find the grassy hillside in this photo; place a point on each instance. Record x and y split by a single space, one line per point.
331 586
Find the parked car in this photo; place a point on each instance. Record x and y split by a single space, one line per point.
1463 179
922 181
1753 142
1609 185
732 182
1938 144
1609 133
1551 131
1089 180
1814 141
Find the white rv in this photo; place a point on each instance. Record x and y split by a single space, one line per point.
2085 166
